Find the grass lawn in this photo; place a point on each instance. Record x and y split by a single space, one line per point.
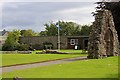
10 59
66 51
0 59
93 68
71 51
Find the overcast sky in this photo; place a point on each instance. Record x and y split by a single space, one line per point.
34 14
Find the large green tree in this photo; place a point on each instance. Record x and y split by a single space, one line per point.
11 42
28 32
85 30
43 33
69 28
51 29
66 29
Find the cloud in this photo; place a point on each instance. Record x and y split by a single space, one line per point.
33 15
81 15
0 15
49 0
115 0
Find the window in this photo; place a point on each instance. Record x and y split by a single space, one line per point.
74 41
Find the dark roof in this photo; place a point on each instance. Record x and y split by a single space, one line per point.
77 36
3 32
56 36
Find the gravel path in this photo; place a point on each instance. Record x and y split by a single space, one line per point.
21 67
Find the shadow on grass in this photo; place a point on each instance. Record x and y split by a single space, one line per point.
108 77
112 76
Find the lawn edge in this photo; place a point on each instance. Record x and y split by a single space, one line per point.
37 62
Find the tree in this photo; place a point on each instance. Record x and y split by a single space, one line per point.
23 47
66 29
69 28
51 30
43 33
85 30
28 32
11 42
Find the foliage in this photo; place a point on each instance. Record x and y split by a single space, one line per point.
43 33
28 32
69 28
51 29
36 46
23 47
11 42
66 29
85 30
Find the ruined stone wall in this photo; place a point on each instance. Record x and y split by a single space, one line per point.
103 39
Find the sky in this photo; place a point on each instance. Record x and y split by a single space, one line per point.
19 14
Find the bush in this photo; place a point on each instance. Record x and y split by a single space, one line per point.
9 47
23 47
36 46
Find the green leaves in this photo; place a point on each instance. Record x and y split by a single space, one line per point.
66 29
28 32
11 42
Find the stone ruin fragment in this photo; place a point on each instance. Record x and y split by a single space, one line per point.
103 38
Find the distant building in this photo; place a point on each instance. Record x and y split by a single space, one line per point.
51 42
3 37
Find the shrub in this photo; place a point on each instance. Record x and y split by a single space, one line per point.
36 47
23 47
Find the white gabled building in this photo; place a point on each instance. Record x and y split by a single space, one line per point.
3 37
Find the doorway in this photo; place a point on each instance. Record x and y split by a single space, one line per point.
109 42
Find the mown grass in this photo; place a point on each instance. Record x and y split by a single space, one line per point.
66 51
11 59
92 68
71 51
0 59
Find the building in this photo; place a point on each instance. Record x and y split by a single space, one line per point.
3 37
51 42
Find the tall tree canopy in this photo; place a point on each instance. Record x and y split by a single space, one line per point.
11 42
66 29
28 32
